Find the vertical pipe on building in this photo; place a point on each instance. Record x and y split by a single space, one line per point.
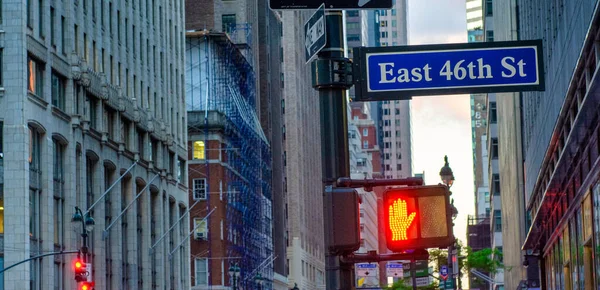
334 149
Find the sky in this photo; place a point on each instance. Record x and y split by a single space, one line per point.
442 124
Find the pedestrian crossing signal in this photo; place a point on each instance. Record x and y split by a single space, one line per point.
417 217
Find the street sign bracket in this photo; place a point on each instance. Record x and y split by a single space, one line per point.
332 73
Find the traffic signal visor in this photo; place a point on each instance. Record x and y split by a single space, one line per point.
417 218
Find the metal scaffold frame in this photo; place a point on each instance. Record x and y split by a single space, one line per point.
222 80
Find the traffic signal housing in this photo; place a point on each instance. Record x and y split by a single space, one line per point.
418 217
87 286
80 270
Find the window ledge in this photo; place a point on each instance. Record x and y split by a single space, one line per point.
37 100
60 114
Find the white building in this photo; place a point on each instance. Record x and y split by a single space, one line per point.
94 86
302 160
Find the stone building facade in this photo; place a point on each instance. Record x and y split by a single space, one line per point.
92 100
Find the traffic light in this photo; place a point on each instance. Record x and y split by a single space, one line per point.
417 217
80 270
87 286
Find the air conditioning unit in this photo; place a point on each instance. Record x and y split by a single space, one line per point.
200 236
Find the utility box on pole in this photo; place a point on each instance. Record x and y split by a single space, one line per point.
344 215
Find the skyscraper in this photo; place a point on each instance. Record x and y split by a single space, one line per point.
93 117
302 160
394 116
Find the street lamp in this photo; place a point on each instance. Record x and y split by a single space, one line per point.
446 173
448 179
234 272
258 279
87 225
295 287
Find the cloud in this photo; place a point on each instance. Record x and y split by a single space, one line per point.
437 21
442 124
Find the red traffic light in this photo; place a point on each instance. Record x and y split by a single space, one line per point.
417 217
87 286
78 265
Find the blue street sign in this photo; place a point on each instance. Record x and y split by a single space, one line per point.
444 272
393 73
314 30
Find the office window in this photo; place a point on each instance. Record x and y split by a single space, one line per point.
35 77
394 23
384 34
493 113
489 8
201 266
126 134
52 20
41 18
29 14
496 183
62 35
1 66
199 152
58 182
365 132
497 221
398 166
387 156
489 35
199 188
228 22
93 107
494 148
58 91
366 144
383 23
111 117
393 12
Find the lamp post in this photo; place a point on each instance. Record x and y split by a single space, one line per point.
447 177
87 225
234 273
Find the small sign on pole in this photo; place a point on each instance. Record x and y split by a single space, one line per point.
394 270
366 270
444 272
315 37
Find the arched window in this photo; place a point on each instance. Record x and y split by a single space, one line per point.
199 150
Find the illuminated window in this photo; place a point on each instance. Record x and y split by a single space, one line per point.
35 77
199 150
200 226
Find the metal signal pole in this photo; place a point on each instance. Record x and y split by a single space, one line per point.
332 81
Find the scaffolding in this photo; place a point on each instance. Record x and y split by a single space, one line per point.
220 84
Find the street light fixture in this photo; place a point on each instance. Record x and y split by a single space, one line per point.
446 173
447 177
295 287
234 272
87 225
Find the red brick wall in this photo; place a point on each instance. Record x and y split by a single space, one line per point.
199 14
218 247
